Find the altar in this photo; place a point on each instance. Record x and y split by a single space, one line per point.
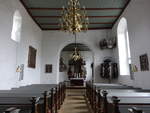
77 82
76 71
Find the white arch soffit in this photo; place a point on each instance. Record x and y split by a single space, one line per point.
70 42
16 27
67 43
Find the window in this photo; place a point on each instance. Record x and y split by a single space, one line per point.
16 28
124 47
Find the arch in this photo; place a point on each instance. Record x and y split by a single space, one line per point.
69 43
16 28
123 47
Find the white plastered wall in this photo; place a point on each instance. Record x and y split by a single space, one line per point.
55 41
12 53
138 20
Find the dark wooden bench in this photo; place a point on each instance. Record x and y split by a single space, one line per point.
50 97
120 102
135 110
94 95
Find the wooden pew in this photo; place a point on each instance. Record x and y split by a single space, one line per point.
37 90
27 92
12 110
135 110
138 93
20 100
94 96
126 100
22 103
116 107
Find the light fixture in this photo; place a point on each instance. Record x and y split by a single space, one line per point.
74 18
76 55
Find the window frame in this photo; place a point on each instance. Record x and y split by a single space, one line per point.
122 32
16 27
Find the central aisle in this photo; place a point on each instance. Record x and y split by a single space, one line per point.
75 102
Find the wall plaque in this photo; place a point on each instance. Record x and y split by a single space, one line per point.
48 68
144 63
32 57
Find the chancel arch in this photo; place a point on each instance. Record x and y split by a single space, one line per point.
72 66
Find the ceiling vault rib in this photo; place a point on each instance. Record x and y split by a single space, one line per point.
87 16
31 8
30 14
128 1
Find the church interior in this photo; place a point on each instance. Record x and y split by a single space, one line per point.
74 56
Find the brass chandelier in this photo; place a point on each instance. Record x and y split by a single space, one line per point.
76 55
74 18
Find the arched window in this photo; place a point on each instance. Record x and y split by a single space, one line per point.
16 28
124 47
